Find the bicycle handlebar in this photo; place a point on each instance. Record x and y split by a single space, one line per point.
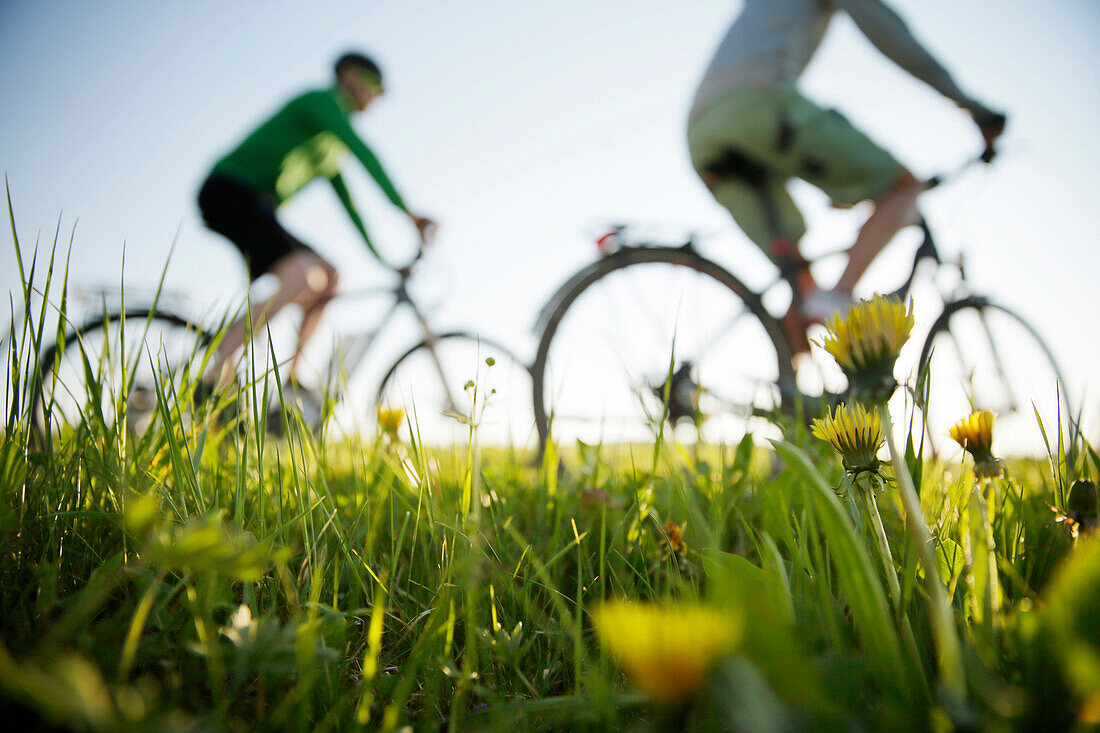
988 154
997 123
404 271
986 157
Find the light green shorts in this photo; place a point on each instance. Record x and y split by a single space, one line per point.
786 136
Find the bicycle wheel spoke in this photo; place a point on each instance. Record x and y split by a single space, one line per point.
441 388
649 318
164 351
1006 385
984 357
730 324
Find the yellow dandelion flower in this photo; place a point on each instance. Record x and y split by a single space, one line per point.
975 435
866 343
390 420
854 432
666 650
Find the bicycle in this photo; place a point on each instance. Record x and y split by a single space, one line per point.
655 335
122 357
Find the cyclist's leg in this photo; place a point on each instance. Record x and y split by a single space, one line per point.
315 299
749 206
893 210
734 148
768 215
305 280
829 152
247 218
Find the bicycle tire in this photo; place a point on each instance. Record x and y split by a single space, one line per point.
765 349
982 355
179 343
440 406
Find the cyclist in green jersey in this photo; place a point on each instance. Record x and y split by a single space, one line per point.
303 141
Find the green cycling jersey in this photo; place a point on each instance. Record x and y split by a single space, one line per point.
302 141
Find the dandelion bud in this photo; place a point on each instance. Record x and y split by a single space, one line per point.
1082 505
856 434
390 420
975 435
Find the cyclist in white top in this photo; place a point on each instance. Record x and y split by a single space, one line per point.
750 131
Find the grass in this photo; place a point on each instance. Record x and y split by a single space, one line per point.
195 575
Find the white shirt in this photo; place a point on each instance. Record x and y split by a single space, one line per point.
772 41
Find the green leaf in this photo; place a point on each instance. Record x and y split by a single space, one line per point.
769 637
950 558
1073 607
855 573
985 598
206 546
739 698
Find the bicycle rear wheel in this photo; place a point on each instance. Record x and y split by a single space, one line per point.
982 356
615 333
113 365
441 385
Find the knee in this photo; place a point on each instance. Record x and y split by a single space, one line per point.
321 280
310 283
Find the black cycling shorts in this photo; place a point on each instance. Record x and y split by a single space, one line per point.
247 218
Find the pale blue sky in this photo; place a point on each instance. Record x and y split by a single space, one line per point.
520 126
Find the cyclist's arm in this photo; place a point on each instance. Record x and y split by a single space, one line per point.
344 195
888 32
334 120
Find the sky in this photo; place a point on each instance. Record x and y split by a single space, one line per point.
524 128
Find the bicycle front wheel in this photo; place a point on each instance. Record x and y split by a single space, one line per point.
982 356
113 365
654 336
457 379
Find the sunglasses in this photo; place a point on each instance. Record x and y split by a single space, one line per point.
372 81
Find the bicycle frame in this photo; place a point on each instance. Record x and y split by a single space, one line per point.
351 349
